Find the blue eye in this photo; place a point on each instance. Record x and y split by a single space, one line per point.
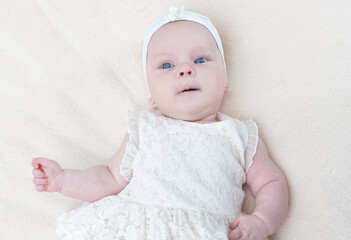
166 65
200 60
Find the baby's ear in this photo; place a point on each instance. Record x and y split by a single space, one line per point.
228 89
151 101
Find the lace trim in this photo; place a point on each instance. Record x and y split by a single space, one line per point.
126 168
252 141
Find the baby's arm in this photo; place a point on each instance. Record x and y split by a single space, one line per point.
87 185
268 185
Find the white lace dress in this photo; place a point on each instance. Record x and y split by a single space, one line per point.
185 182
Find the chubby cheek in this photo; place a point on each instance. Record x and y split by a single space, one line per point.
215 87
160 92
216 81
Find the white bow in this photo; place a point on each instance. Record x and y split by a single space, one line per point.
176 13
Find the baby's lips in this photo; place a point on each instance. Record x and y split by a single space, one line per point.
189 89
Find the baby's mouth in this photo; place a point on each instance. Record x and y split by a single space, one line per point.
190 90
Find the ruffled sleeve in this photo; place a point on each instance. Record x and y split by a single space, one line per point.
251 145
126 168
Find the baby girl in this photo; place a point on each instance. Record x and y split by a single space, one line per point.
180 169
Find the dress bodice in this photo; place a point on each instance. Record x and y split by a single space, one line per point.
179 164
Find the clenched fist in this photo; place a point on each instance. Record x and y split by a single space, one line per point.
248 227
47 175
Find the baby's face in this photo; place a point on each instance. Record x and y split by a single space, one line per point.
185 71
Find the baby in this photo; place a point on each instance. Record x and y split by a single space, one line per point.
180 169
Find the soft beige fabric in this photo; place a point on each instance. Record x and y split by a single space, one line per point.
69 70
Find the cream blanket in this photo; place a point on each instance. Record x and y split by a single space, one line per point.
70 70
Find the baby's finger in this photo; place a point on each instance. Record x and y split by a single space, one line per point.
35 165
40 181
40 161
236 234
38 173
234 224
41 188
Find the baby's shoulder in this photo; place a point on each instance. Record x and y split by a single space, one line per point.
240 124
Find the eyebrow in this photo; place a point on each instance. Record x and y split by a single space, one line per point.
202 48
157 58
161 54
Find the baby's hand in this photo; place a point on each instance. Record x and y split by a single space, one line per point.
47 175
248 227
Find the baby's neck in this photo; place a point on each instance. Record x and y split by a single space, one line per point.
209 119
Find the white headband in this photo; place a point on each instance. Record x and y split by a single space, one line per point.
176 14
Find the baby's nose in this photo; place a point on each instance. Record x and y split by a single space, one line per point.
186 70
